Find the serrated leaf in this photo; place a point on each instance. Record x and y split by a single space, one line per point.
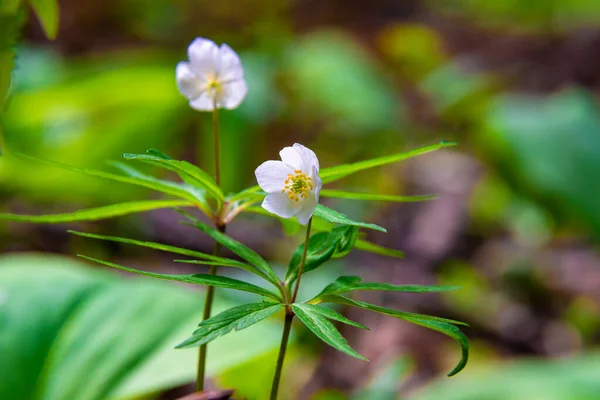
178 250
345 284
324 330
334 173
93 214
335 217
321 247
172 189
331 314
47 13
339 194
365 245
188 172
236 318
197 279
238 248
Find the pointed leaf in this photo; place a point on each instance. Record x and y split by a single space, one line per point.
345 284
334 173
338 194
236 318
330 215
188 172
198 279
47 13
365 245
330 314
93 214
177 250
324 330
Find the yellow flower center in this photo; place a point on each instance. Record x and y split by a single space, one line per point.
214 85
297 185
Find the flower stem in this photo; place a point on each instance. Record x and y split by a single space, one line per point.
303 260
289 316
210 291
287 326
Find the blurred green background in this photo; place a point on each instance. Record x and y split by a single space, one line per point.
516 223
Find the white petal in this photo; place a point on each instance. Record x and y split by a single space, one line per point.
308 156
307 210
203 103
188 83
279 204
204 57
233 94
231 66
317 182
292 158
271 176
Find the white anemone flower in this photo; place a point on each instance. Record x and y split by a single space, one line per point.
292 184
213 77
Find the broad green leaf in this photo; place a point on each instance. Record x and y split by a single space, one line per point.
94 214
384 310
334 173
324 330
241 250
339 194
443 325
188 172
364 245
47 13
345 284
330 314
172 189
178 250
236 318
321 247
330 215
198 279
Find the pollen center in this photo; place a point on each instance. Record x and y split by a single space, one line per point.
297 185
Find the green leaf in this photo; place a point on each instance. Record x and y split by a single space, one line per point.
171 188
324 330
290 225
236 318
47 13
94 214
321 247
241 250
334 173
443 325
345 284
338 194
188 172
330 215
330 314
364 245
197 279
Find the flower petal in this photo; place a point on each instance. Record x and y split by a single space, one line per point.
307 210
317 183
204 57
280 205
203 103
308 156
232 94
292 158
188 83
271 176
230 68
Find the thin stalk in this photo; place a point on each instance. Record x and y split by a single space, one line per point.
210 291
289 316
303 260
287 326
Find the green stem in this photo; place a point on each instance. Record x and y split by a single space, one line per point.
287 326
210 291
289 316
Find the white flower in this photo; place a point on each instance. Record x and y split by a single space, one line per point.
292 184
213 74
